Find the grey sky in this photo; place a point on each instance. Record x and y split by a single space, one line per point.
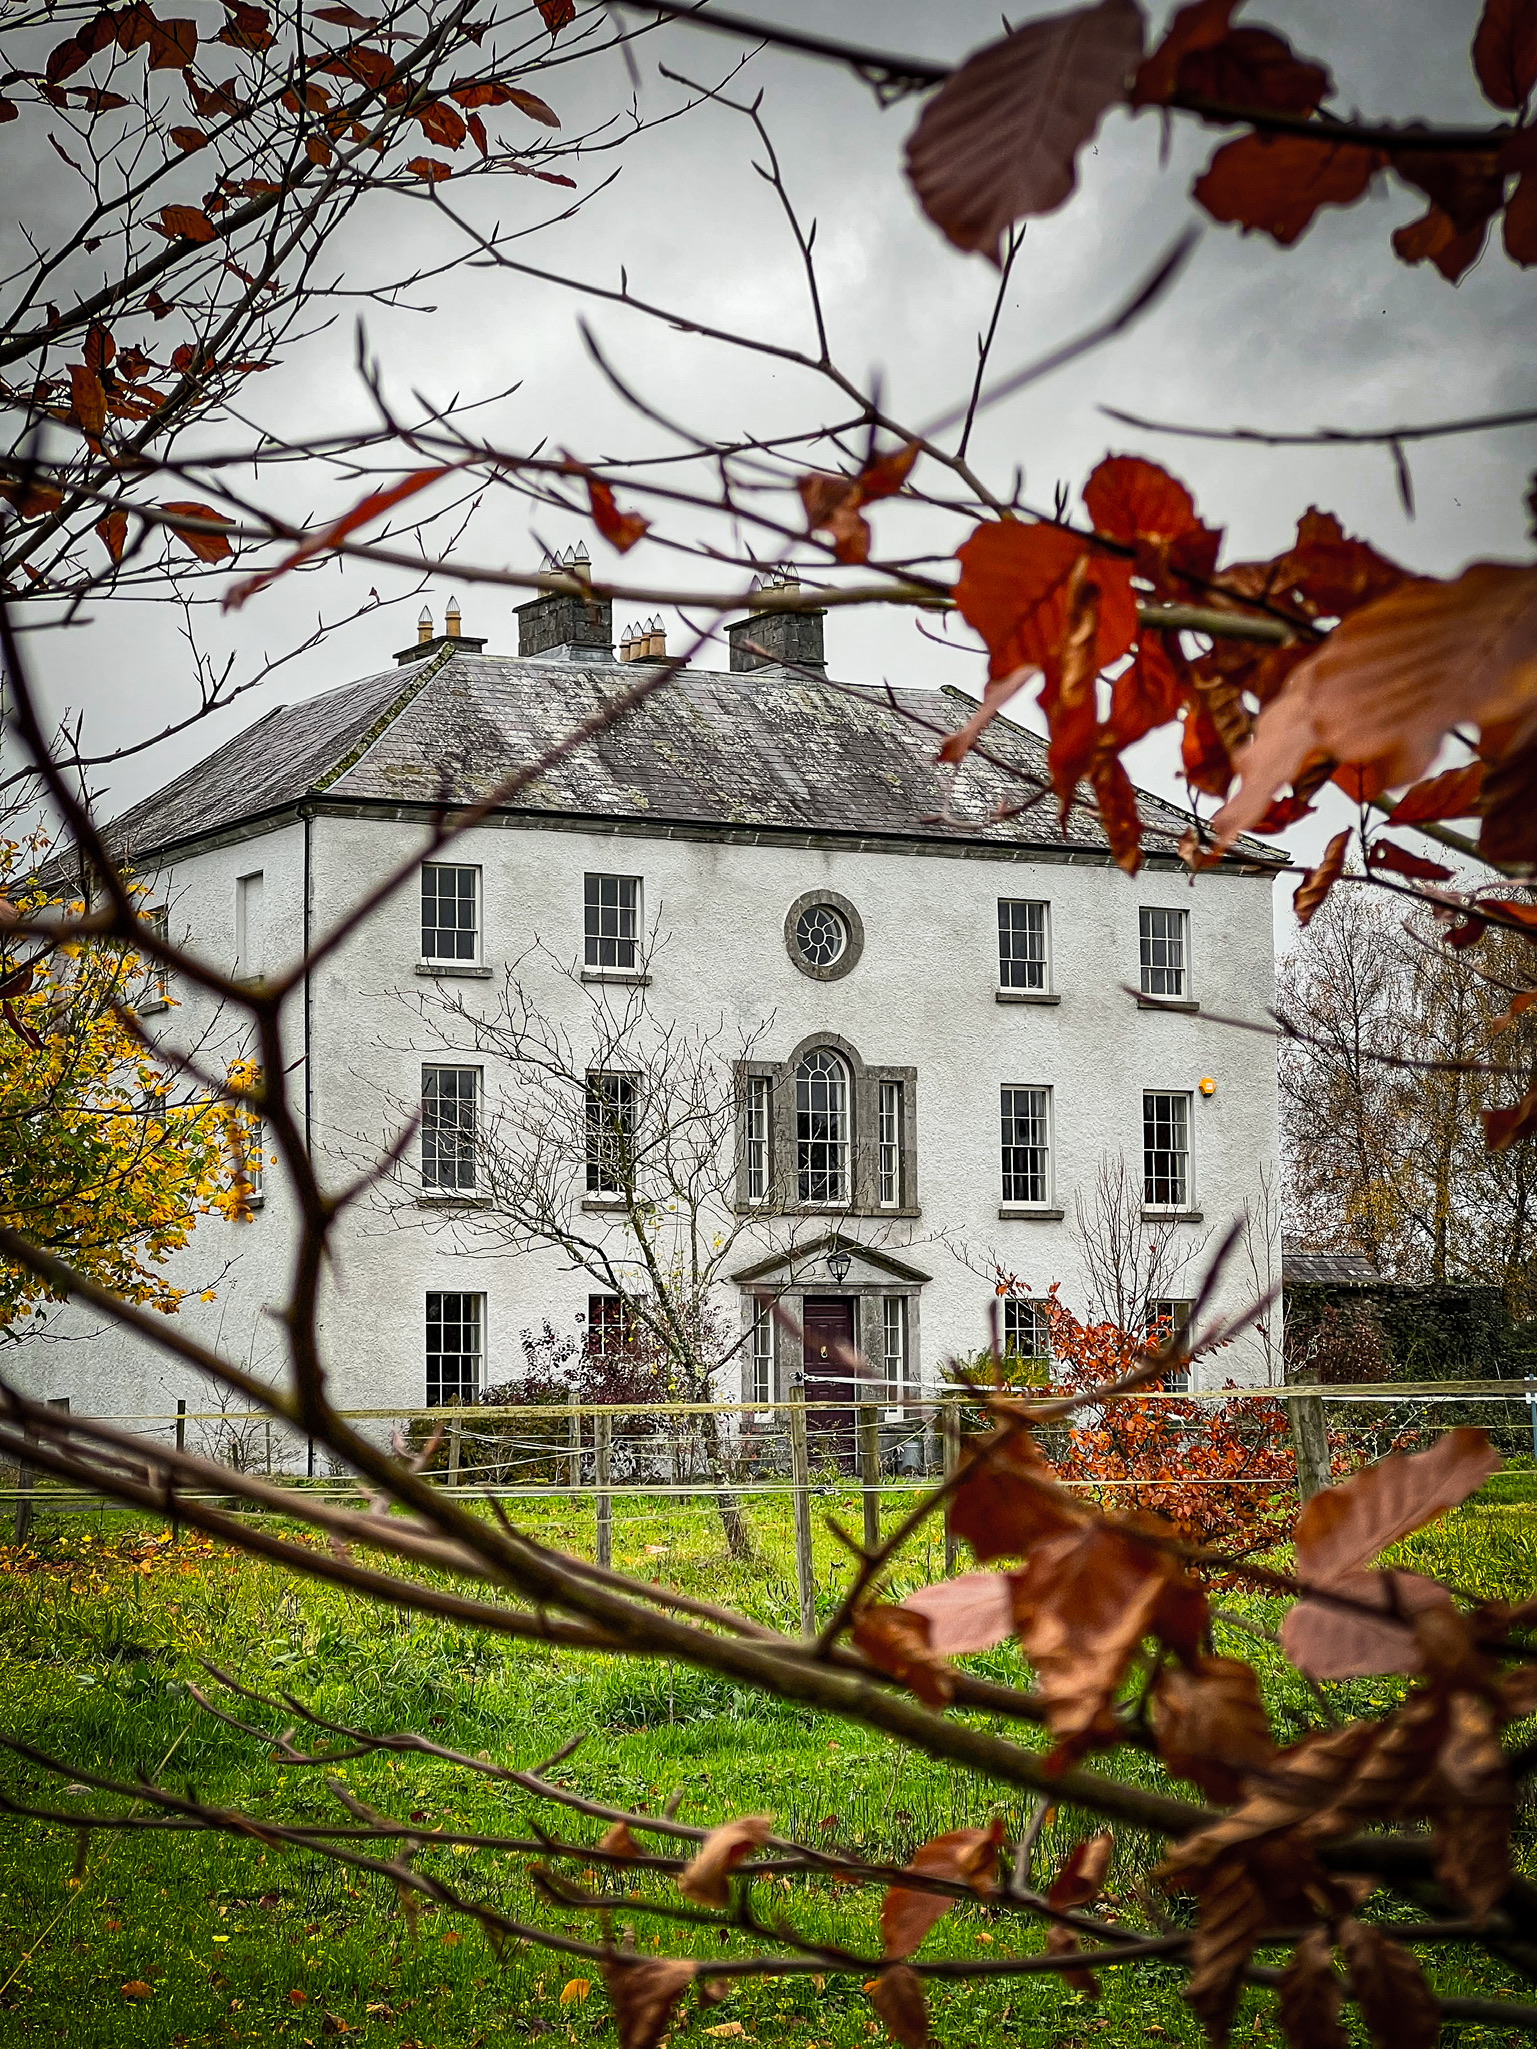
1334 332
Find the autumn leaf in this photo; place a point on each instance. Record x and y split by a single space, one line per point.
706 1879
969 1613
368 509
896 1641
1115 799
441 124
897 1996
1328 1641
621 529
1134 502
1397 2005
644 1991
189 139
1232 1913
1505 52
1194 27
1473 1826
433 169
1327 573
1276 183
1309 895
1077 1884
1147 692
530 103
1521 221
558 14
112 532
1211 1724
1000 140
1309 1996
1503 1127
87 400
1393 679
1397 860
618 1842
967 1856
1254 67
207 547
574 1991
137 1989
1007 1497
188 223
1346 1526
1458 793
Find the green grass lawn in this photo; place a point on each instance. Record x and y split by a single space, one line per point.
104 1621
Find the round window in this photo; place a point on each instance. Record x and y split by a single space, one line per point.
821 937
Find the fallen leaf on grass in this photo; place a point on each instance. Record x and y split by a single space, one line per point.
137 1989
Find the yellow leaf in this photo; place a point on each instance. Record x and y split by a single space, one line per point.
576 1989
727 2028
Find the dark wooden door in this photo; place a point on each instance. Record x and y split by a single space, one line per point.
828 1324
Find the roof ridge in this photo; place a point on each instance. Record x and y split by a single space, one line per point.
381 725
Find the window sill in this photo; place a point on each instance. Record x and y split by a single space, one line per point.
1026 996
151 1007
1173 1216
1027 1211
1185 1003
452 1198
610 1205
634 978
454 967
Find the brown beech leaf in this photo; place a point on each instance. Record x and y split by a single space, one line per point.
999 141
1309 1996
1115 799
897 1996
1391 680
896 1641
1399 2008
1399 861
1232 1914
1331 1642
433 169
1147 692
1254 67
187 223
969 1613
1211 1724
1311 891
1008 1497
530 103
706 1879
112 532
207 547
1521 221
644 1991
1300 1782
620 529
1503 1127
1436 238
1077 1884
441 124
969 1856
1276 183
1473 1828
87 400
1505 52
1344 1527
1327 573
558 14
1195 27
189 139
1082 1604
1458 793
618 1841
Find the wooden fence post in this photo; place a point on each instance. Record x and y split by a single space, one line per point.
574 1455
800 1482
950 1437
24 1480
1310 1437
602 1439
455 1442
181 1445
870 1472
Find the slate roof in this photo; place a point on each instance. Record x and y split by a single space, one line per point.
1329 1269
766 749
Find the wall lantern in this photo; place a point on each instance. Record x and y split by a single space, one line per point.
1206 1085
838 1263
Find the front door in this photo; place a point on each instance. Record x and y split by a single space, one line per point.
831 1369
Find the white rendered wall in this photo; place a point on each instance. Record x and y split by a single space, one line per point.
923 994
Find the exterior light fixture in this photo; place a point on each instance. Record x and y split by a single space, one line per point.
1206 1085
838 1263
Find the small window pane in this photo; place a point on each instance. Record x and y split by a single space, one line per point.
453 1348
821 937
450 912
610 1326
894 1345
250 928
822 1128
757 1137
1026 1145
1026 1329
449 1098
1164 1317
889 1148
1166 1151
611 1106
1021 945
612 921
1163 952
760 1378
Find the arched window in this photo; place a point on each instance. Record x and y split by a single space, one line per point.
822 1127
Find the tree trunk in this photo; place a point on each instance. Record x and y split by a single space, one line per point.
732 1520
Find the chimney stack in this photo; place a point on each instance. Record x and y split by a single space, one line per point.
453 637
423 626
566 628
644 643
792 639
452 620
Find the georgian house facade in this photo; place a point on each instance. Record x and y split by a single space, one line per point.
953 1013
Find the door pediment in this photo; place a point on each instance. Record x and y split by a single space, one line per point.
803 1269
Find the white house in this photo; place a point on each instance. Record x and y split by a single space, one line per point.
958 1015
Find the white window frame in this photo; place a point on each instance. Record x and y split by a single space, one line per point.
157 976
1007 1116
761 1352
1014 1308
595 939
255 1138
472 1319
452 960
836 1174
888 1149
251 926
894 1346
431 1125
1171 1311
604 1162
1005 982
1150 1176
1174 935
758 1137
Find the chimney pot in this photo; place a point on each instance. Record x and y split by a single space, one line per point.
452 619
424 625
